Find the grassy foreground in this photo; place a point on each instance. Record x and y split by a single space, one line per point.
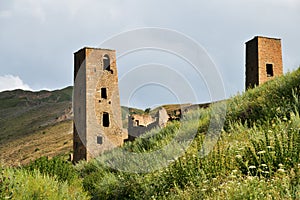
256 156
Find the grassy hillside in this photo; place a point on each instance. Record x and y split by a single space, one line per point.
257 155
34 124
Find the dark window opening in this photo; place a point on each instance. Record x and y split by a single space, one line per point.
105 119
106 63
137 122
103 93
269 68
99 139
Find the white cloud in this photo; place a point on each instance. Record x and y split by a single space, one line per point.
10 82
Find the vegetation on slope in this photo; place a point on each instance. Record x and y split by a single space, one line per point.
257 155
23 112
44 179
30 123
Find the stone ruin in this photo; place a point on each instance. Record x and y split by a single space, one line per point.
97 110
139 124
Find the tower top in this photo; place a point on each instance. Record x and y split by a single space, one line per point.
94 48
263 37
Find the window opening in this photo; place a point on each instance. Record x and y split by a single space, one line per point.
103 93
106 63
269 68
99 139
105 119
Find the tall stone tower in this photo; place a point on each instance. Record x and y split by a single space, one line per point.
96 103
263 60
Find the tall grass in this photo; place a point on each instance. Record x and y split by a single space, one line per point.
275 98
279 150
22 184
56 167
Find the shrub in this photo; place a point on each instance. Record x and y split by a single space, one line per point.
56 167
22 184
278 150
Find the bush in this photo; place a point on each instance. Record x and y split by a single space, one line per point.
278 150
56 167
22 184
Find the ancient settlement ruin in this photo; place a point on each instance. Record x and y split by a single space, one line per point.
96 106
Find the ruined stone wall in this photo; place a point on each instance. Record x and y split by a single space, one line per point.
146 123
162 117
141 120
137 131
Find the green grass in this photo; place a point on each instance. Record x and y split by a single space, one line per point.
22 184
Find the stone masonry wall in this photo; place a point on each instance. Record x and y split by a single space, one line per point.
79 107
261 51
269 52
146 123
251 63
102 116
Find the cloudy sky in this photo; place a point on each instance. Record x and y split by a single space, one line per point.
38 38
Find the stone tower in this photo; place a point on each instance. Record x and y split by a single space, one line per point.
96 103
263 60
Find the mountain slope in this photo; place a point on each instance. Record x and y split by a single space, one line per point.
34 123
